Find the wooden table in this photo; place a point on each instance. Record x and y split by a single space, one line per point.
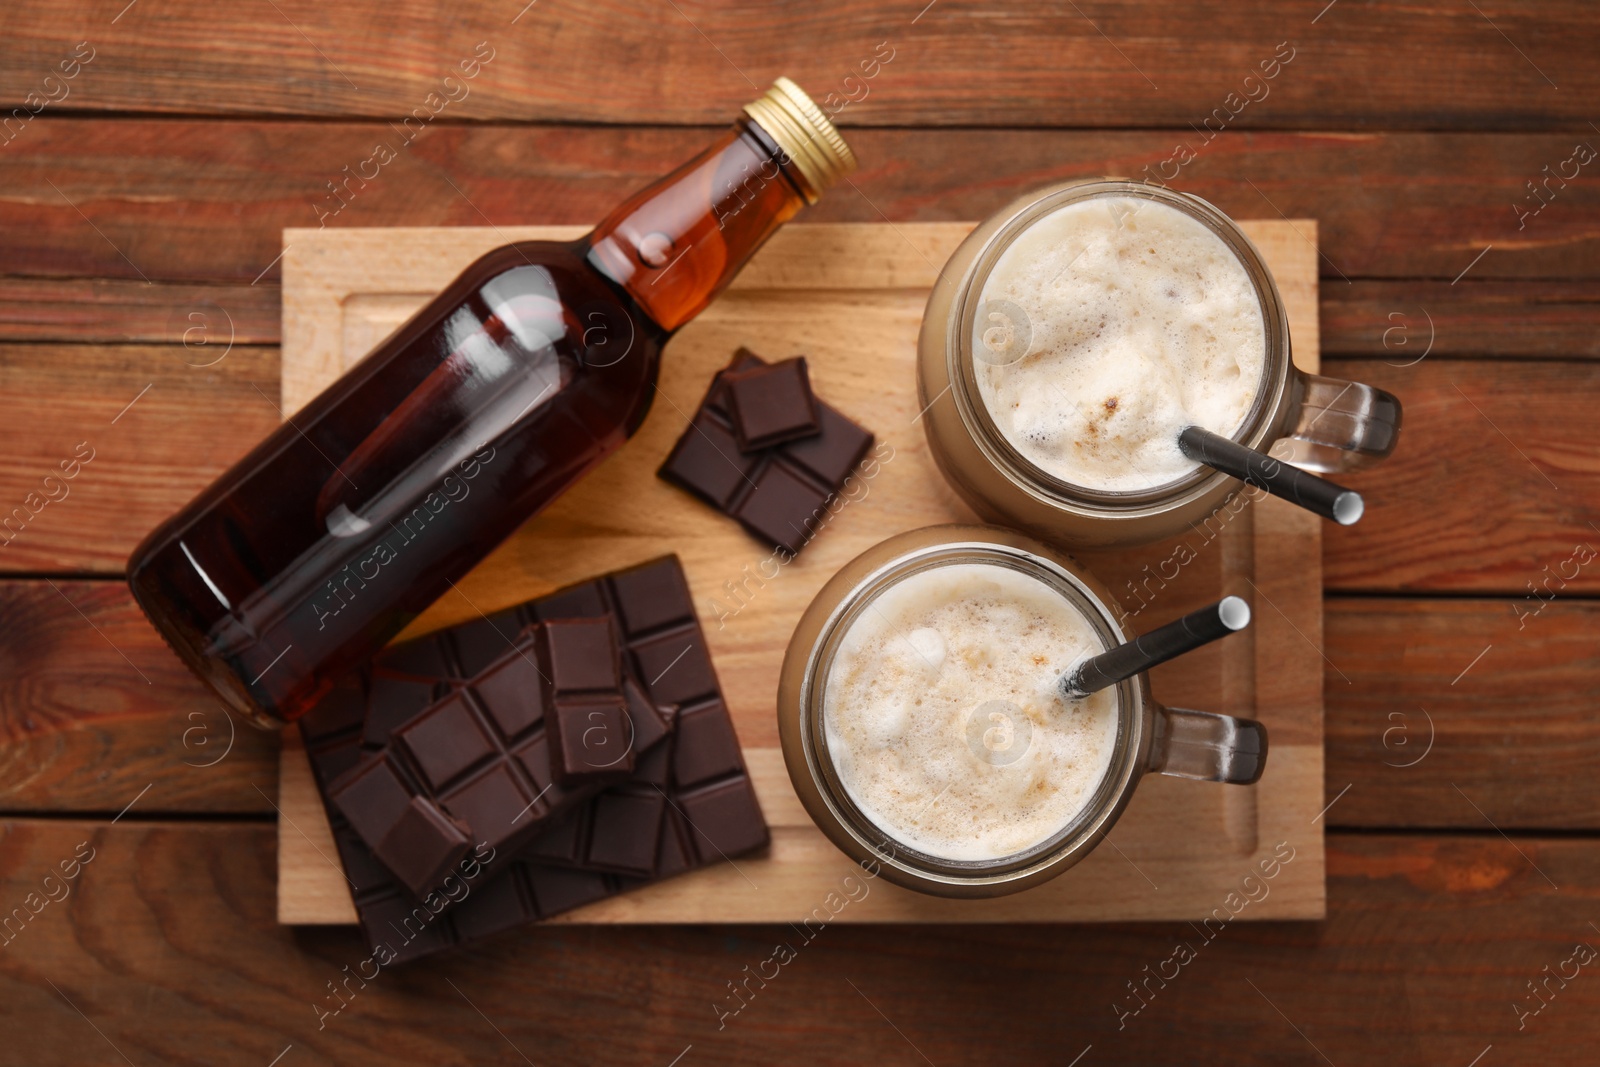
140 213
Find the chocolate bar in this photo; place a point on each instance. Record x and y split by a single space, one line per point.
685 806
487 894
779 494
770 404
484 893
451 721
474 765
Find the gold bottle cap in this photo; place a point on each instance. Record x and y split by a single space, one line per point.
805 134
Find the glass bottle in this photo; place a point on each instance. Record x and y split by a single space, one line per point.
358 512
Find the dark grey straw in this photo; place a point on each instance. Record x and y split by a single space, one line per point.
1343 506
1159 645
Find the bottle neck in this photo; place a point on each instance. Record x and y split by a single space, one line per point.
676 244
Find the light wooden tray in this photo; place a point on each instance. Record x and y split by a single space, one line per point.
850 297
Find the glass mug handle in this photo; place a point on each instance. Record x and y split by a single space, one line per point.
1208 747
1340 425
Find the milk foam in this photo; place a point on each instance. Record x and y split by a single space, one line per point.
1140 321
901 695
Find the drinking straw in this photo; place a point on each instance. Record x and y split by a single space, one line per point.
1343 506
1198 628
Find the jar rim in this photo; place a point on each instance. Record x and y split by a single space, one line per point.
1093 818
1253 432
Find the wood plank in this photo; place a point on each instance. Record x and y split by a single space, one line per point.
205 319
94 707
168 945
1435 706
1495 484
207 200
845 289
156 423
1402 322
959 63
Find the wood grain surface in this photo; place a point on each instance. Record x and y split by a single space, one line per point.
1494 488
192 200
955 62
169 947
139 221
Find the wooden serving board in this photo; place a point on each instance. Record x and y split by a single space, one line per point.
850 297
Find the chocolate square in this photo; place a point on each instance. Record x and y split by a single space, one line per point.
511 691
344 759
654 767
592 740
586 600
725 819
497 906
423 844
372 798
626 831
651 597
647 723
708 462
579 655
563 841
771 404
361 867
675 667
409 929
783 509
716 399
445 740
559 890
834 453
492 804
707 747
673 855
537 765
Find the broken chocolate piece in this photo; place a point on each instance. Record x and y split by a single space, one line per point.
423 845
590 741
780 494
771 404
587 721
580 656
451 754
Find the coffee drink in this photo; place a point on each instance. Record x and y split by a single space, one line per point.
1108 326
924 729
944 719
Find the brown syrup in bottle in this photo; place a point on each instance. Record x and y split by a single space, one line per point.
366 505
